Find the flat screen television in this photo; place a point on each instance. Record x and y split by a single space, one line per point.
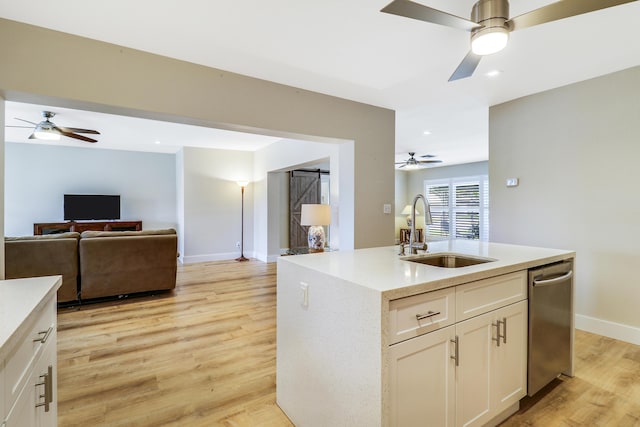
91 206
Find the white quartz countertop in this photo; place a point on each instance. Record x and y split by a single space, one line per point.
382 269
18 299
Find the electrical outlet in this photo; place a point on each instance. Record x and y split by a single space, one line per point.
238 245
304 287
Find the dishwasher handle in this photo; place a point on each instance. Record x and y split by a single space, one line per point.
548 282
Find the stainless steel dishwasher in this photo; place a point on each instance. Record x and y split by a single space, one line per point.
550 323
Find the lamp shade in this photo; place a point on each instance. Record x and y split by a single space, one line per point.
407 211
315 215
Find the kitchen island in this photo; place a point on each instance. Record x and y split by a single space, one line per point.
355 328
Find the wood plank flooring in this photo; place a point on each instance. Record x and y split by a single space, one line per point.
204 355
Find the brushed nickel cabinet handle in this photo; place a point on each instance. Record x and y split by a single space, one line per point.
48 389
498 336
45 335
504 330
456 350
426 316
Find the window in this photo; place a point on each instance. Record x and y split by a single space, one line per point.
459 207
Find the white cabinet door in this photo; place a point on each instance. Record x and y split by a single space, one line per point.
509 381
491 377
473 374
422 380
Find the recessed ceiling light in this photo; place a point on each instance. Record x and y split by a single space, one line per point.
427 132
493 73
157 142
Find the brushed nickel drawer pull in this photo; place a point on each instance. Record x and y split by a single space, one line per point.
426 316
45 336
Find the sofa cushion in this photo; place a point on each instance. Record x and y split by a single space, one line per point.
67 235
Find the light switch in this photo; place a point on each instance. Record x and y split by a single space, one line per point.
386 208
512 182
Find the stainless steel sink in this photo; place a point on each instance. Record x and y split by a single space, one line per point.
447 260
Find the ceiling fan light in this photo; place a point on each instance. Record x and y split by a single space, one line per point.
44 134
489 40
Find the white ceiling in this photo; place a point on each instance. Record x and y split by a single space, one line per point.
351 50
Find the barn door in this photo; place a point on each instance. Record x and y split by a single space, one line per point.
304 188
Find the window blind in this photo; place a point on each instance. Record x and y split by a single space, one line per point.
459 207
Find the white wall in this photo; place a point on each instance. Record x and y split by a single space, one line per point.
37 176
575 150
213 203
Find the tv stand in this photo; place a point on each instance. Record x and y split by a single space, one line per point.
63 227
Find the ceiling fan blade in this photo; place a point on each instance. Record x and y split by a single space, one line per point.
466 67
23 120
420 12
78 130
32 136
400 167
560 10
73 135
429 161
23 127
428 156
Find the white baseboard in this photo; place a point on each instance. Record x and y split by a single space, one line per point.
609 329
192 259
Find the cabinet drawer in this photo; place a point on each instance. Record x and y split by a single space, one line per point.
482 296
40 330
419 314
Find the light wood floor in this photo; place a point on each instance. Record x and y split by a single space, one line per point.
205 356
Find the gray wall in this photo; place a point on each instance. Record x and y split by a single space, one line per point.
115 79
37 176
575 150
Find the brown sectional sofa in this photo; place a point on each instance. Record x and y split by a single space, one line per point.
97 264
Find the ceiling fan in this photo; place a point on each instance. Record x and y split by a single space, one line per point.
46 129
413 163
490 23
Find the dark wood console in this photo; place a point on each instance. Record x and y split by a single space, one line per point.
63 227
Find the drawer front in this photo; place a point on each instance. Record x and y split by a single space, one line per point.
41 330
482 296
418 314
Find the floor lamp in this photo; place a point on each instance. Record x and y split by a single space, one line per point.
242 185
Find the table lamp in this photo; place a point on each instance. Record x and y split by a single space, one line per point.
407 211
316 216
